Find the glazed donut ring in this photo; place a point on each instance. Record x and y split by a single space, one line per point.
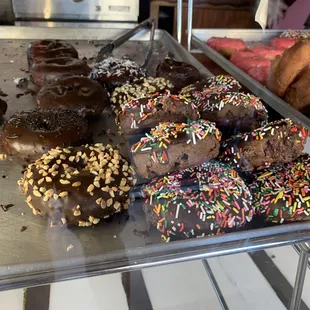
29 134
287 68
78 185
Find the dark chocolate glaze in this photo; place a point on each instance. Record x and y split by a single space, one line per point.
156 109
180 74
51 70
76 93
277 142
205 200
113 72
40 50
32 133
78 186
3 109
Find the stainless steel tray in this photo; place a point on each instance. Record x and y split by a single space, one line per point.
39 254
201 36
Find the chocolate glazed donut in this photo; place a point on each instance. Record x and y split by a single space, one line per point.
76 93
40 50
180 74
51 70
30 134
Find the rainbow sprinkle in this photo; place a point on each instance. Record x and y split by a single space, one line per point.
205 200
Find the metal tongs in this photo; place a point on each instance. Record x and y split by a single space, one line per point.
109 48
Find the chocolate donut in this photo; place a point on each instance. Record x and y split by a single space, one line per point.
232 112
77 93
138 89
78 185
278 142
3 109
175 146
32 133
145 113
180 74
282 193
113 72
51 70
44 49
209 199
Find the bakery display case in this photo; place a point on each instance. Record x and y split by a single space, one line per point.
190 196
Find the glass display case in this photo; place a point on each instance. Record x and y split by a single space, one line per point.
36 250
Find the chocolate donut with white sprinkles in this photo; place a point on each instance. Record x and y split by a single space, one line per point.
78 185
282 193
278 142
209 199
114 72
175 146
139 88
145 113
30 134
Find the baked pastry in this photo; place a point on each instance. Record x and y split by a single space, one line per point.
282 193
215 84
78 186
298 94
267 51
288 67
77 93
226 46
298 34
278 142
283 42
145 113
248 60
32 133
180 74
175 146
232 112
45 49
209 199
113 72
138 89
51 70
3 109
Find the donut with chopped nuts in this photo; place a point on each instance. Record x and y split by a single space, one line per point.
139 88
278 142
114 72
30 134
208 199
3 109
51 70
145 113
77 93
78 185
179 73
175 146
214 84
282 193
44 49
